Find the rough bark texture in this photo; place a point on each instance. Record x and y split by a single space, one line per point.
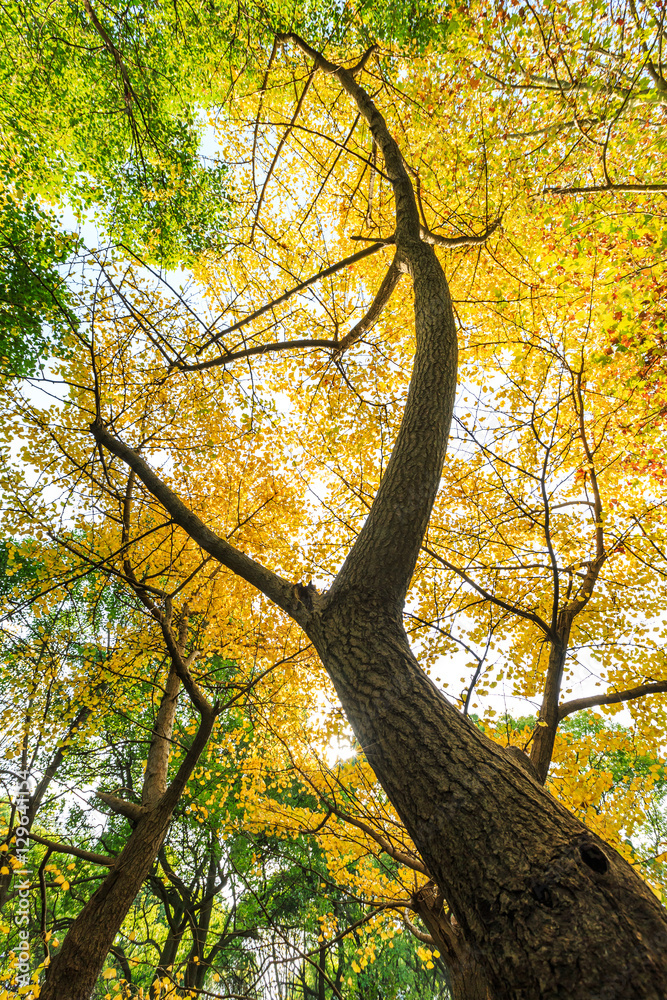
465 975
547 908
74 972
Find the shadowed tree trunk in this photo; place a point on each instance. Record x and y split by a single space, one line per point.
168 953
75 969
547 910
465 976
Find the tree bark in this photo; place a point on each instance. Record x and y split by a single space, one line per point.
547 909
75 969
544 737
169 952
197 968
464 973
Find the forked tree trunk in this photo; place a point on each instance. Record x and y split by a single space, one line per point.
547 910
78 964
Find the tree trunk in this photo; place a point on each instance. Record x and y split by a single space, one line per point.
321 973
546 908
197 969
75 969
467 981
169 951
547 723
464 974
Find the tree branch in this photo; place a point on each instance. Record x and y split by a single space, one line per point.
401 856
458 241
280 591
248 352
420 935
601 188
578 704
382 559
121 806
333 269
36 798
77 852
389 282
530 615
384 293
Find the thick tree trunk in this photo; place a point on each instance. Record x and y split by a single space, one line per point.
467 980
547 908
465 975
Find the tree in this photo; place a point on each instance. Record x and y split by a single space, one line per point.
135 676
226 905
544 906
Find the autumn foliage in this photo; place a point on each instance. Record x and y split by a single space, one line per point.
264 380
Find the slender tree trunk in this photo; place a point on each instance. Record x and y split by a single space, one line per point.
321 973
75 969
547 908
36 798
169 951
196 971
547 724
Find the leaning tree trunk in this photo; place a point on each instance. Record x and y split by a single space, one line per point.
466 978
464 972
77 966
548 909
75 969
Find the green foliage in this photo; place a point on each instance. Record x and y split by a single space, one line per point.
623 762
34 299
412 26
17 570
102 110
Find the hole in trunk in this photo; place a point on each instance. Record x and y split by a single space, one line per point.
592 856
542 894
